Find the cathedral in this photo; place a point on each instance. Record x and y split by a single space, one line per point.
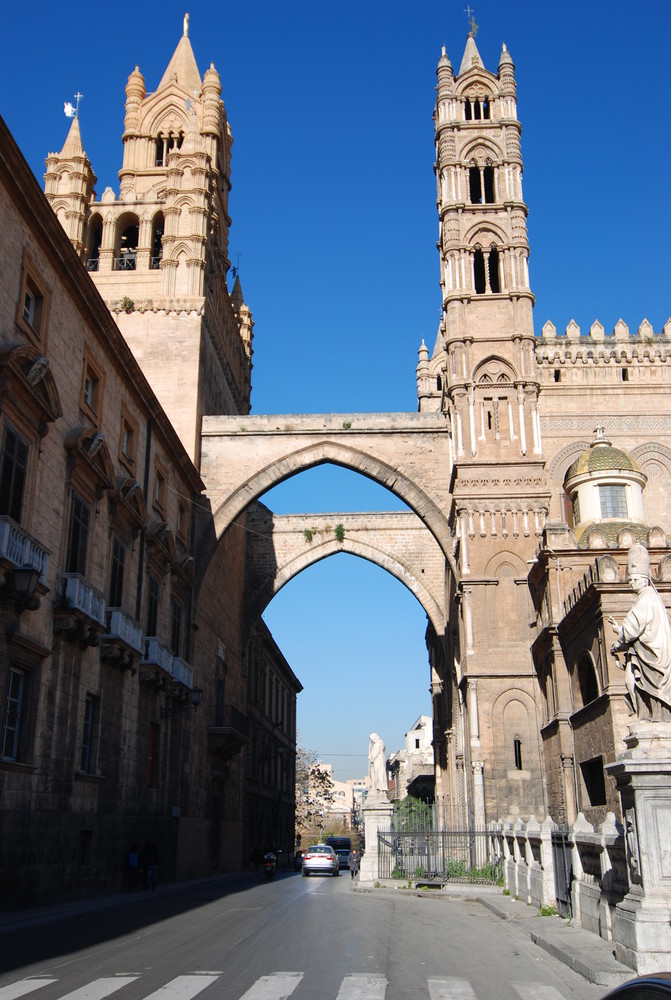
143 697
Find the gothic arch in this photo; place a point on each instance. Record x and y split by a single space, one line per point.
494 371
652 452
485 234
357 460
258 602
559 463
506 563
480 149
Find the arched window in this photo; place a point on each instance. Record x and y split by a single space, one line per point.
486 110
474 185
477 110
157 229
479 271
128 233
468 112
589 687
95 239
489 184
493 266
164 145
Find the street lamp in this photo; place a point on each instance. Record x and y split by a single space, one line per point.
195 695
26 579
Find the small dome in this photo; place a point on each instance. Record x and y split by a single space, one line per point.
602 457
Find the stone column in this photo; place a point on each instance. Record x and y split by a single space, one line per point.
643 776
377 811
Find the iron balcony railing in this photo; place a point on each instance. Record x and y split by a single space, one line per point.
121 626
80 595
127 263
21 549
93 264
156 654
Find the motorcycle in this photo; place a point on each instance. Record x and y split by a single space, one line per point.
269 865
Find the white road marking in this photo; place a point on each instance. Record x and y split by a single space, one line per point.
450 989
362 987
536 991
99 988
182 988
279 986
22 987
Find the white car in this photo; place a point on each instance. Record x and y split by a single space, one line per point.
320 859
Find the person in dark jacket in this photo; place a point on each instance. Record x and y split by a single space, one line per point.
353 862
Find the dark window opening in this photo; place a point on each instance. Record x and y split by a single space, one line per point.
78 538
95 240
14 707
85 847
517 750
489 185
152 605
493 263
486 108
479 272
489 420
127 258
474 185
557 375
176 629
589 688
594 781
88 754
219 691
468 111
439 383
625 374
118 562
477 112
14 461
158 227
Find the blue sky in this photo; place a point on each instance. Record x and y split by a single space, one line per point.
333 207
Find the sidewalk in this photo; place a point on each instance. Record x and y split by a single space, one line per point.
586 953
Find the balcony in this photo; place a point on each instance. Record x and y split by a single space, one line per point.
156 663
18 548
182 672
229 733
79 609
122 642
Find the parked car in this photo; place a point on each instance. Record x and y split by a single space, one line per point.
342 846
320 859
654 987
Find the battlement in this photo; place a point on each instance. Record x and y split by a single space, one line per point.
621 346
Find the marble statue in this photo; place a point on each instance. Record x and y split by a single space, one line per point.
645 639
377 764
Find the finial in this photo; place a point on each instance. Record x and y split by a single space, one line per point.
186 26
72 110
472 26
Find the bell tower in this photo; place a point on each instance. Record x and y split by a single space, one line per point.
158 251
482 371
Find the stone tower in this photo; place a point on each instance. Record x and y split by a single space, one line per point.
158 251
482 375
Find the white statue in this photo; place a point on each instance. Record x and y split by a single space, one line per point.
645 639
377 764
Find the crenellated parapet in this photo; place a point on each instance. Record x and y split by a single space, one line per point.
626 353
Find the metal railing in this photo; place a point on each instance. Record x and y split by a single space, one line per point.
181 671
127 263
440 857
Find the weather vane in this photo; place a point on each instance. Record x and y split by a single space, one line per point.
72 110
235 270
472 26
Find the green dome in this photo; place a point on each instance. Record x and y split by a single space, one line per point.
602 457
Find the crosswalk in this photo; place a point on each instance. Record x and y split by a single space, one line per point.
277 986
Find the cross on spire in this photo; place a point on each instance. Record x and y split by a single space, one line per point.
72 110
472 26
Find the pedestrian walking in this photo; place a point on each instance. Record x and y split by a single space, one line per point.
133 867
353 861
148 864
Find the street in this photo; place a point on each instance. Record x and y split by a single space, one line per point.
243 937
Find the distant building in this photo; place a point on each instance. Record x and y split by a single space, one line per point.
411 769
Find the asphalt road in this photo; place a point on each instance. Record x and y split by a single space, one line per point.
304 938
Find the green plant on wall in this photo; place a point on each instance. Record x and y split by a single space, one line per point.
127 304
308 535
339 533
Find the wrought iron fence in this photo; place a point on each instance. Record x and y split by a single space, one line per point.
563 870
440 856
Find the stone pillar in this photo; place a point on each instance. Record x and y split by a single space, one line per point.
377 811
643 776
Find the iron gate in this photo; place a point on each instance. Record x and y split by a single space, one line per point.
436 857
563 869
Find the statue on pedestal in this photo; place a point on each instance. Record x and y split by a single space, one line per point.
377 764
645 639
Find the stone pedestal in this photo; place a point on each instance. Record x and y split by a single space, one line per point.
641 923
377 811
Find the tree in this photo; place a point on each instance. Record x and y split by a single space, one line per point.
314 793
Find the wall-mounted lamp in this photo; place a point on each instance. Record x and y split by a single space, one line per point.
195 695
26 579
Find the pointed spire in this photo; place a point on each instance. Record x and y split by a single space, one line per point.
237 299
471 55
182 68
73 143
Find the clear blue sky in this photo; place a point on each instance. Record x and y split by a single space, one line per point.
333 207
